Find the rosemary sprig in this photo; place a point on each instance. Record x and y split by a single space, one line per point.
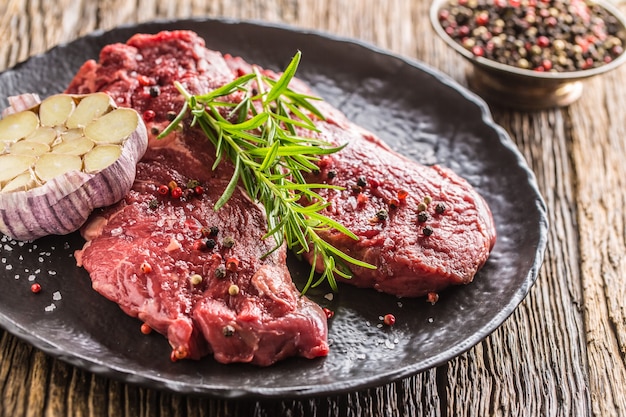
260 136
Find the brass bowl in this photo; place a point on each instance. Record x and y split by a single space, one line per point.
525 89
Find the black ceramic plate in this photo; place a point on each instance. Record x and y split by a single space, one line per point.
418 111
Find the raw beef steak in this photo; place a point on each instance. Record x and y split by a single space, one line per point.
193 274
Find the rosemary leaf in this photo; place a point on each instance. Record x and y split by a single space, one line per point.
260 131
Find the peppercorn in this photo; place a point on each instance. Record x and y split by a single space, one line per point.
228 242
232 264
233 289
210 243
154 91
154 130
35 288
427 231
432 297
149 115
163 189
145 267
361 182
220 271
177 192
199 245
440 208
153 204
331 174
145 328
192 183
422 207
181 352
389 319
422 216
195 279
228 330
171 116
382 215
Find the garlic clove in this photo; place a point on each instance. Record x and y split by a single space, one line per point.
17 126
55 110
89 109
73 146
24 147
101 157
113 127
13 165
52 165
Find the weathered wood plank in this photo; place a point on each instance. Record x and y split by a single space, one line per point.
560 354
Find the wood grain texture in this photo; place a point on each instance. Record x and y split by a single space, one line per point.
562 353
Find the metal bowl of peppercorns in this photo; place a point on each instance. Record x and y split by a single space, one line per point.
532 54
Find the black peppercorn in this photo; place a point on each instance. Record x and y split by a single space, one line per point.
210 244
154 91
427 231
361 182
382 215
440 208
422 216
331 174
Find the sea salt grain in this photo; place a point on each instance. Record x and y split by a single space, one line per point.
56 296
50 308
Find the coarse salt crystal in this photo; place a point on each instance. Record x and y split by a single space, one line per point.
31 277
56 296
329 296
51 307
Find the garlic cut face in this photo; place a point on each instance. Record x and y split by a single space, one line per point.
62 158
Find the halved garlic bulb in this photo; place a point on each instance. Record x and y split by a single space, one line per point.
62 158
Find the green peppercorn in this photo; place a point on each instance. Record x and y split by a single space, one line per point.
228 242
382 215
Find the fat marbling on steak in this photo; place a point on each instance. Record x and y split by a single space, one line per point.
417 250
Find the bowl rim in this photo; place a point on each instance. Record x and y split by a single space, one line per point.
489 64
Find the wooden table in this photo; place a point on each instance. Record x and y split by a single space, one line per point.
562 352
